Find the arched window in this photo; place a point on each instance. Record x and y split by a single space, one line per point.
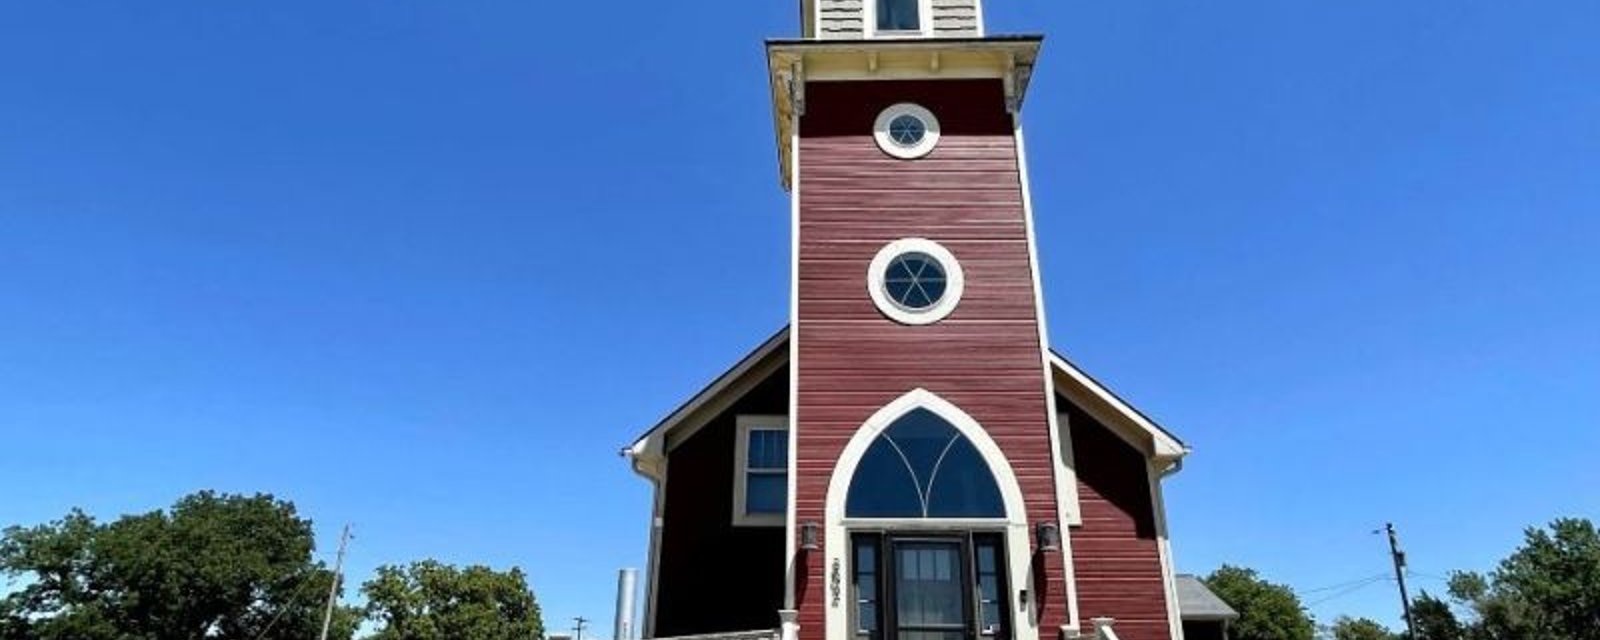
922 467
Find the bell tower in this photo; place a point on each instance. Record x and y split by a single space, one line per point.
917 334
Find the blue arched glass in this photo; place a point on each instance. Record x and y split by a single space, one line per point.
922 467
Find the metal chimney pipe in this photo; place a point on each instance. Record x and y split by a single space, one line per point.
625 589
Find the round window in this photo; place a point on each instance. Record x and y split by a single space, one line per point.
906 131
915 281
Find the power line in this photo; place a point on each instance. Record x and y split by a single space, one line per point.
1430 576
284 608
1349 590
1340 585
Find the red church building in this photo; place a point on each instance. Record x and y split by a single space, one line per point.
908 459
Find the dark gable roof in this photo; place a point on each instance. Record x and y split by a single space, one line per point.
1196 602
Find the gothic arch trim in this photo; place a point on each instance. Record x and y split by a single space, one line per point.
1024 613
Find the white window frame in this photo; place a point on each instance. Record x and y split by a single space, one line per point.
955 281
869 8
930 138
745 424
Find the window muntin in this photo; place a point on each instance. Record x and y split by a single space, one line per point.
915 280
923 467
930 597
766 471
762 470
907 130
899 15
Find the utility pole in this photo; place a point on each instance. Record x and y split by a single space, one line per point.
577 628
1400 577
338 574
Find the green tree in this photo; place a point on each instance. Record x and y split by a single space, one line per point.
1347 628
1548 588
212 567
1434 620
433 601
1266 611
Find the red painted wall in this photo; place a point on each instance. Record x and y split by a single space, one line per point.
1116 555
713 576
984 357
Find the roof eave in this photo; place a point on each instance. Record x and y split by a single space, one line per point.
653 440
1163 446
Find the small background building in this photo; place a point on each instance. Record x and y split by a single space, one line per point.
1205 616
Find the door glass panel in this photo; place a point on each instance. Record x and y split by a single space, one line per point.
865 564
986 552
929 603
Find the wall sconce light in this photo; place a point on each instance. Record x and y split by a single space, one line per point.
1049 536
809 537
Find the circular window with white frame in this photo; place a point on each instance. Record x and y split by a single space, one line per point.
915 281
906 131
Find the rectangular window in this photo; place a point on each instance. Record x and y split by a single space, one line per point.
761 495
899 15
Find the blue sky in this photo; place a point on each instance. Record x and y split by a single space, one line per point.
426 266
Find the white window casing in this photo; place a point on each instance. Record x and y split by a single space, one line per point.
930 138
745 425
955 281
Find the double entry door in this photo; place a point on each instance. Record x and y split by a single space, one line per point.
932 586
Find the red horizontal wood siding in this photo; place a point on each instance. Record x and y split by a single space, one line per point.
1116 553
851 360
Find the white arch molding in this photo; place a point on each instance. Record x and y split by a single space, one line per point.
1024 615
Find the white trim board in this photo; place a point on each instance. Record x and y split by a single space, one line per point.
1151 439
788 616
1064 472
1169 579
